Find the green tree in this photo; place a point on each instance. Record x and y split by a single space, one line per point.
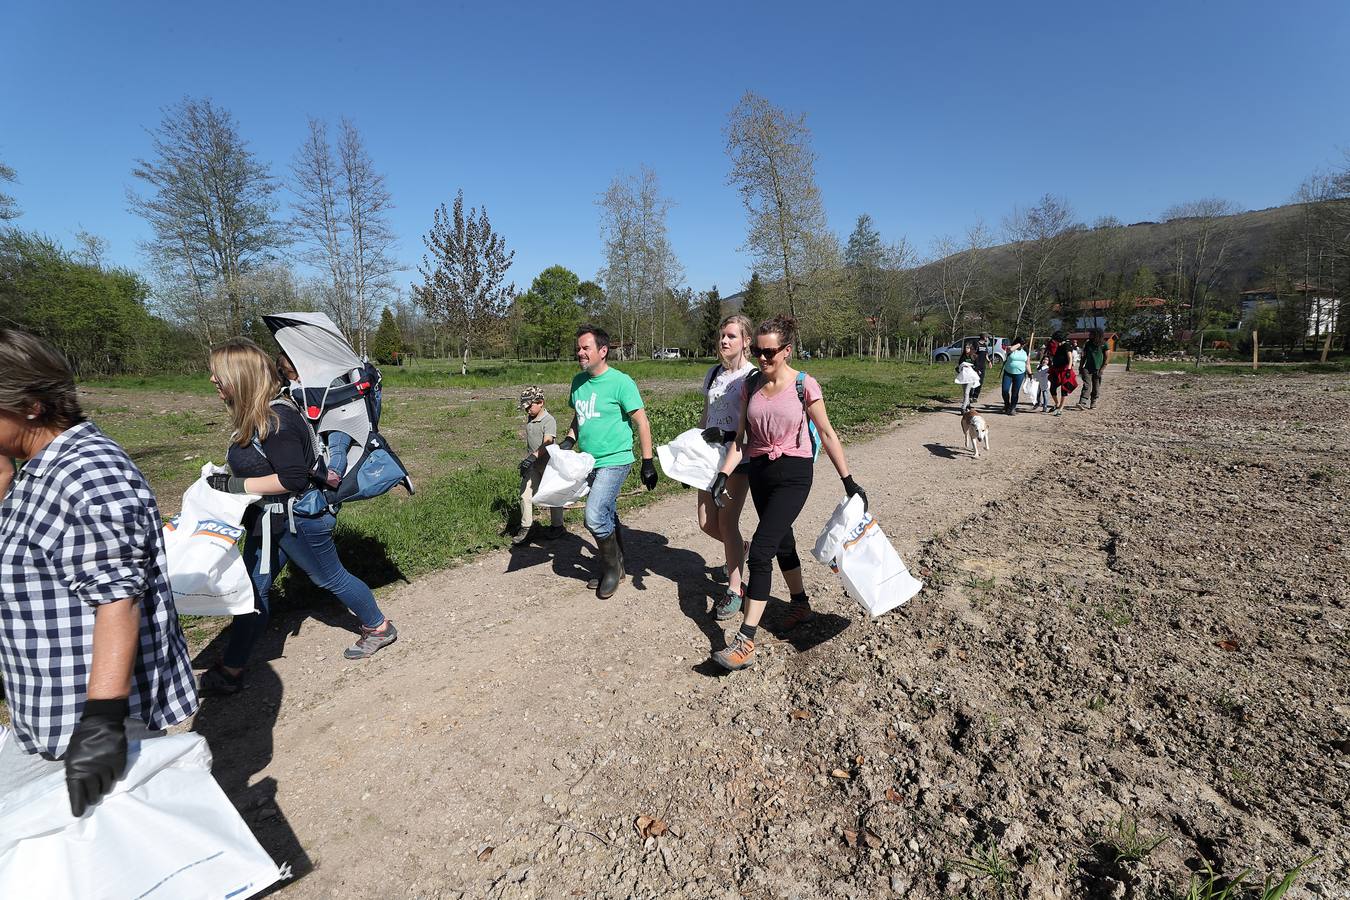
387 345
709 322
551 310
95 317
9 208
755 307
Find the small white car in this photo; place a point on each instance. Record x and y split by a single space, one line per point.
666 353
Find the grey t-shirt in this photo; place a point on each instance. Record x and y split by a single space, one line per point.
538 429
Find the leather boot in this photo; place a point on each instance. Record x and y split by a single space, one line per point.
611 568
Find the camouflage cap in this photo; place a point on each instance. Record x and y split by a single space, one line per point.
532 394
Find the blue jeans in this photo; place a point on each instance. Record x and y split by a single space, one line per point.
601 515
312 549
1012 389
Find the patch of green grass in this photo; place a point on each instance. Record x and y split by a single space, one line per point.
976 583
1098 703
1117 615
1209 885
1123 840
985 861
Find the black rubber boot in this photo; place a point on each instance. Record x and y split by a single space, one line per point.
618 534
611 568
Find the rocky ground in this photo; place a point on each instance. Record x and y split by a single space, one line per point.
1129 664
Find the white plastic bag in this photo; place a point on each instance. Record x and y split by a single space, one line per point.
206 570
1029 389
564 478
966 374
871 569
165 832
691 460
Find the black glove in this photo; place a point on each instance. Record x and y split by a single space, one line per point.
224 481
526 465
719 489
97 755
712 435
568 443
852 490
648 474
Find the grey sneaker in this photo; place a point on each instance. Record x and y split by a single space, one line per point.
523 535
727 606
371 641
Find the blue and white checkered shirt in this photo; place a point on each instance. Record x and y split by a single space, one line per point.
78 529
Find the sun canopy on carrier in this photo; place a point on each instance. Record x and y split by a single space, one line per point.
339 393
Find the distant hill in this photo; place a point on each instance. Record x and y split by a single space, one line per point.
1253 239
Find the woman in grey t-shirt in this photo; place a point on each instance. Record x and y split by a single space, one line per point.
724 394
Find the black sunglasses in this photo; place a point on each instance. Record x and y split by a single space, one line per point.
769 352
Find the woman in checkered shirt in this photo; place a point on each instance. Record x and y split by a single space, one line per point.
90 647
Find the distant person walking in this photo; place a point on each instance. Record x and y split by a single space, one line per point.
607 405
1014 373
775 433
91 652
981 365
1042 378
723 398
1096 357
272 453
967 377
1062 377
541 430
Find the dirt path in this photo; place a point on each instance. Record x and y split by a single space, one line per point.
511 685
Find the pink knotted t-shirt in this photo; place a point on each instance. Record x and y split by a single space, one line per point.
777 425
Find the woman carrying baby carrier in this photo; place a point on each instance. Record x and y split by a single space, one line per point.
782 408
275 454
724 396
1062 377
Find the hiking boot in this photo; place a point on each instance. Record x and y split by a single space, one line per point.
798 614
553 532
371 641
523 535
739 655
728 605
216 682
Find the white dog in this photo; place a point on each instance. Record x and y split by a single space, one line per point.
975 430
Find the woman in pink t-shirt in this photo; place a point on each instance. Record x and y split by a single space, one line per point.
775 435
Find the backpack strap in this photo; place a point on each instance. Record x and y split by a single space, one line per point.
712 376
806 419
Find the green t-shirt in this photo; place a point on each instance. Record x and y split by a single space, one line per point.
604 404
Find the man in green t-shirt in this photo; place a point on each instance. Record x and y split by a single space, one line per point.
607 405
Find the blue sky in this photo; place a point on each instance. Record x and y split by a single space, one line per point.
926 116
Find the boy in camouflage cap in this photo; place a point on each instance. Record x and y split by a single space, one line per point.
541 429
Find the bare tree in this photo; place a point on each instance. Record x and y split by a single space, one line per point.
372 239
640 266
1041 237
341 213
9 207
462 275
773 167
956 273
210 203
1199 254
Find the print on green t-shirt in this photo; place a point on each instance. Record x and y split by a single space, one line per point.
604 404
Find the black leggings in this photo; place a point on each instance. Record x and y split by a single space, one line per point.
779 489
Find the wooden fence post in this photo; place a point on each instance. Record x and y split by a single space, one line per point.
1256 350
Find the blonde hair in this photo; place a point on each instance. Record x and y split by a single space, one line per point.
746 327
248 378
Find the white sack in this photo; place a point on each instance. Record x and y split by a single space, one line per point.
1029 389
206 570
691 460
870 568
165 832
564 478
966 374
